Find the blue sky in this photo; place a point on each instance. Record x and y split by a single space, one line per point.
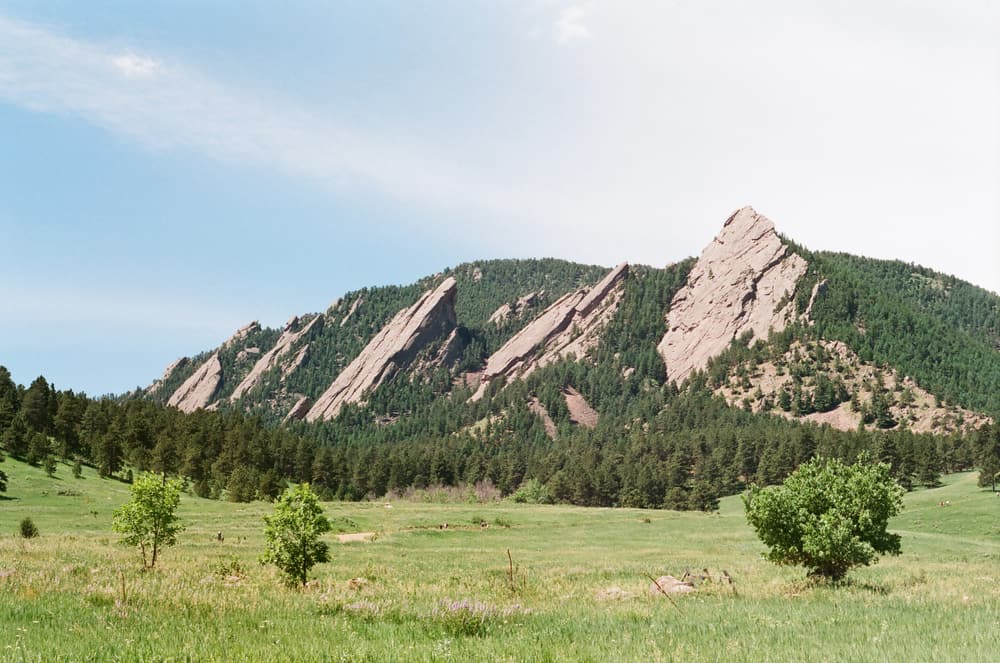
172 170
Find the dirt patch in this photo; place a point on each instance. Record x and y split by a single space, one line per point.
355 536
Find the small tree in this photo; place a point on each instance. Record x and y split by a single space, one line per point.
148 519
28 528
827 516
292 534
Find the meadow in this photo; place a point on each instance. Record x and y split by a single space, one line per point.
574 588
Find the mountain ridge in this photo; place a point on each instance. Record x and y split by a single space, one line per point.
748 282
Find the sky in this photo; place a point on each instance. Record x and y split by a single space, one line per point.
171 170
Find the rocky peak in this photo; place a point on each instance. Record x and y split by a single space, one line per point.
570 326
742 282
392 349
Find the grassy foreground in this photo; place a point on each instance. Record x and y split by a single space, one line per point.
420 593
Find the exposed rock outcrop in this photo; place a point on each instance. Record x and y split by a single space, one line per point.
300 409
507 311
167 372
569 327
758 386
241 334
198 390
354 307
245 354
742 282
536 407
393 348
817 290
294 332
580 411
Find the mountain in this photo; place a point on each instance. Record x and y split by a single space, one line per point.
633 385
865 339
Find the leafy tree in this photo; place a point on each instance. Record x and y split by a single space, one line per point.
292 534
827 516
148 519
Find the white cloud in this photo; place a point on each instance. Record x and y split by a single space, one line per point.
135 66
168 105
571 25
844 123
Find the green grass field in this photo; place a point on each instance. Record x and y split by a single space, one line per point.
74 594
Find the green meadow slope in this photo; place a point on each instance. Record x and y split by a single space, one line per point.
428 594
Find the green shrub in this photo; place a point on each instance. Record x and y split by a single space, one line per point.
532 491
28 528
827 516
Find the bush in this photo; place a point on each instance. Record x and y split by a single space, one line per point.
532 491
827 516
28 528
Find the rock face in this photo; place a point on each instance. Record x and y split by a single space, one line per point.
737 285
507 311
393 348
167 372
300 409
197 390
536 407
294 331
241 334
570 326
580 411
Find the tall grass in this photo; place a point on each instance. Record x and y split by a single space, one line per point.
422 593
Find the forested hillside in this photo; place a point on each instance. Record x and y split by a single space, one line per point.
558 376
943 332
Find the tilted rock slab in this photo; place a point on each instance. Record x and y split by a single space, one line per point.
736 286
294 332
167 372
298 410
241 334
197 390
517 308
570 326
393 348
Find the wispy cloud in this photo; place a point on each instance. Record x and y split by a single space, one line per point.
135 66
571 24
167 104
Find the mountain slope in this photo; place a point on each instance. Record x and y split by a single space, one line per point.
376 355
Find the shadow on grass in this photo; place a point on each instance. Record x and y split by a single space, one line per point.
816 583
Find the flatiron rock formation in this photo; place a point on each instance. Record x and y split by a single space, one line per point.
570 326
742 282
167 372
294 332
517 308
197 390
241 334
393 348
